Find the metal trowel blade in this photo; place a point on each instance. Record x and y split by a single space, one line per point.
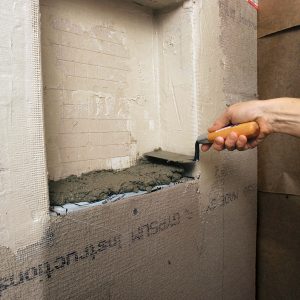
171 156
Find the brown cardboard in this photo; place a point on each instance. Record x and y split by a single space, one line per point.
278 157
278 247
274 16
151 247
279 76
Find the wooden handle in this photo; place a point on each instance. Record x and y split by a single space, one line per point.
250 130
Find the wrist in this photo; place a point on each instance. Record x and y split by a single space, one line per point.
281 114
266 116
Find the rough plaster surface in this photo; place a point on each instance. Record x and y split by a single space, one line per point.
23 182
98 185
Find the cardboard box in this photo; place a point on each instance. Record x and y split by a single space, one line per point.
278 76
278 157
278 246
195 240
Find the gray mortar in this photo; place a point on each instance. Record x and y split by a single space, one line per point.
99 185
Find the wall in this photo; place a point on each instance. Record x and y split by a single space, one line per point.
99 85
227 74
23 180
104 99
178 56
195 240
114 75
172 244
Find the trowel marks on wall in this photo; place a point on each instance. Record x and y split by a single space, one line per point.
98 84
101 63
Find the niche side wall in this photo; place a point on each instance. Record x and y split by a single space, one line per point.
178 84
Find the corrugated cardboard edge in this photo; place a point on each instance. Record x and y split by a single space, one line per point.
274 16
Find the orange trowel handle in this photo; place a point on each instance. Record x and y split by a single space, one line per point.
249 129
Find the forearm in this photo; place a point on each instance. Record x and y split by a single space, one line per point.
283 114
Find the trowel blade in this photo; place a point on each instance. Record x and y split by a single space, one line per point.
202 139
171 156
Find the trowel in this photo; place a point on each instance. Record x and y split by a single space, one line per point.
249 129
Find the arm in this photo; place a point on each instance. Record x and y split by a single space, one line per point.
281 115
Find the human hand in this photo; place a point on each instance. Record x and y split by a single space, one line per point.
240 113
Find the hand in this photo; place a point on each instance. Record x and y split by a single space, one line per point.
240 113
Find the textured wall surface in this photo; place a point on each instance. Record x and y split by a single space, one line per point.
195 240
119 80
178 57
23 182
99 85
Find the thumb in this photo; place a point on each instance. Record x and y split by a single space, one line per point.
221 122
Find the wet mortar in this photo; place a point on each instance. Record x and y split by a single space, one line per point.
99 185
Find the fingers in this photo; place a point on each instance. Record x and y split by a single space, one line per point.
253 144
241 143
205 147
219 144
231 140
